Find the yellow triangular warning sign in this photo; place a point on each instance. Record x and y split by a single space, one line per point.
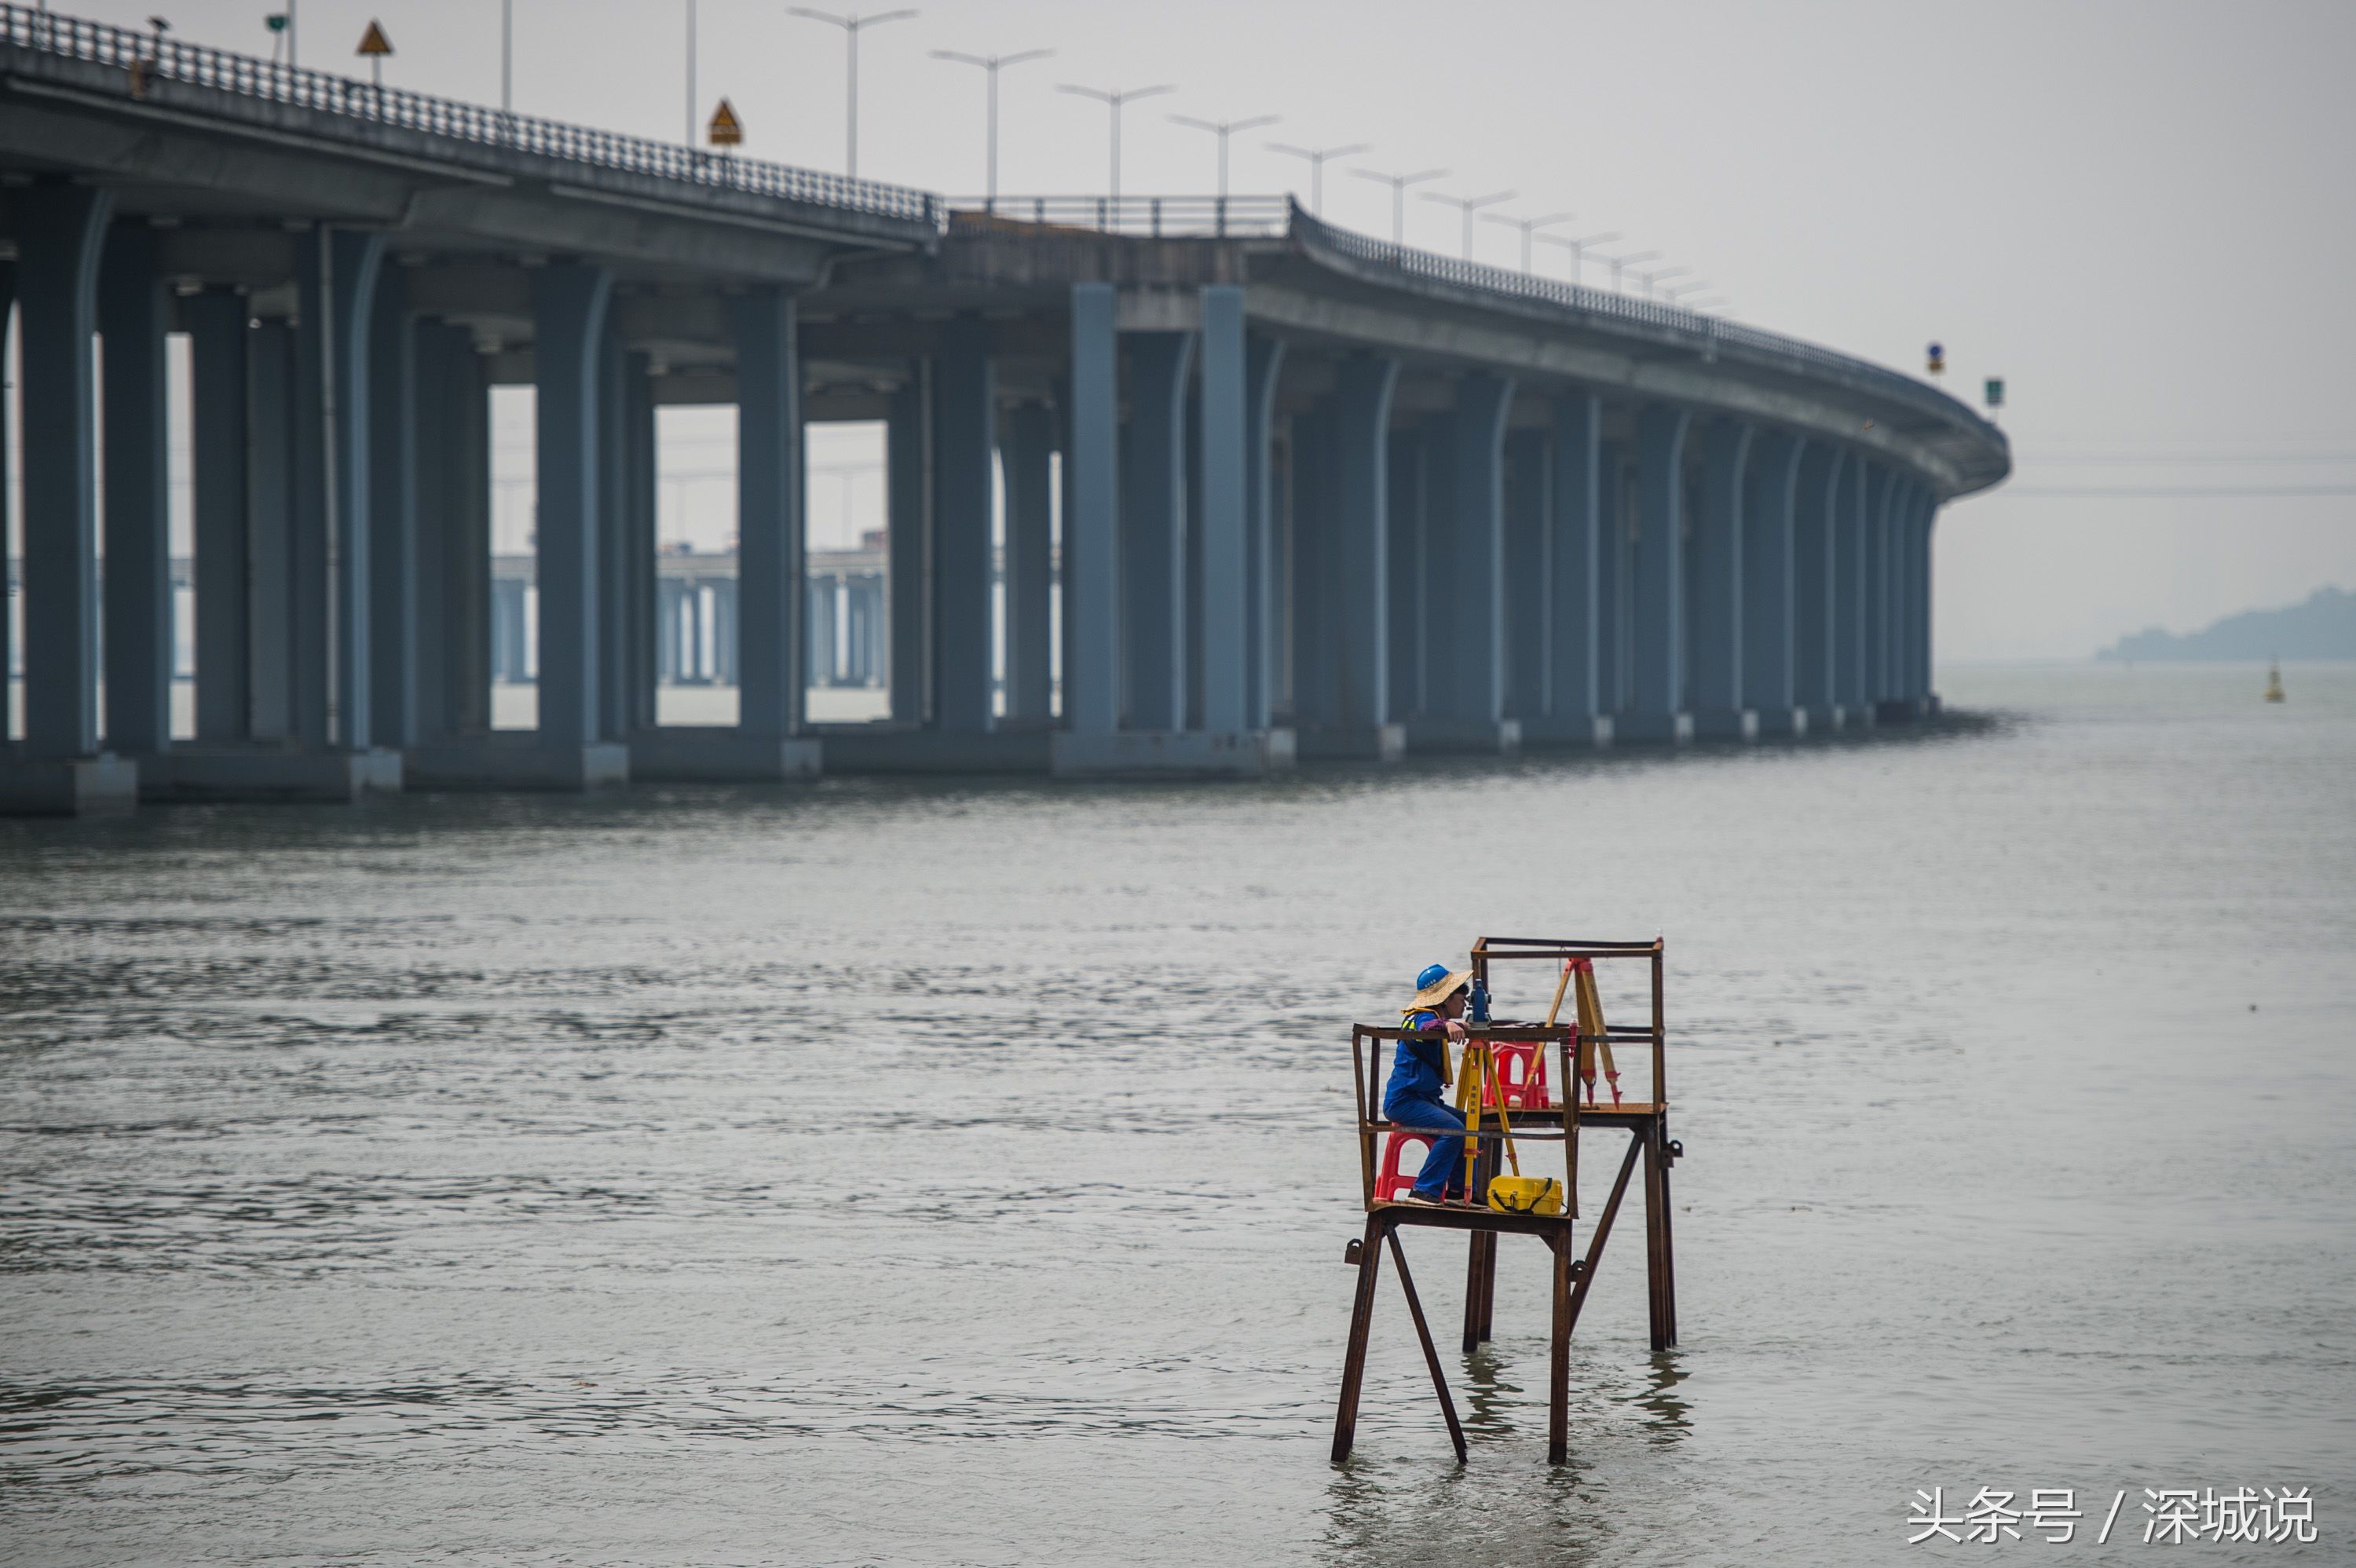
374 42
726 130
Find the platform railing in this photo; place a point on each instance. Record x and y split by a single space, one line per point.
149 57
1146 216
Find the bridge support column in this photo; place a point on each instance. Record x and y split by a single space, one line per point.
58 769
1719 538
394 611
1614 580
1405 508
825 626
1092 565
1881 491
1767 596
1153 544
615 494
457 538
965 440
218 342
133 319
1263 363
1529 582
1465 647
1026 453
271 533
908 456
1659 710
641 468
1849 596
1574 714
1926 519
1352 713
1816 579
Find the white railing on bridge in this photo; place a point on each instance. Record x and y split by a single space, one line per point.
148 58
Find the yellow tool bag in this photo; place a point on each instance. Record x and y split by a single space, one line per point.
1526 1195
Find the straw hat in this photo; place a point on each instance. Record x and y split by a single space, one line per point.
1437 982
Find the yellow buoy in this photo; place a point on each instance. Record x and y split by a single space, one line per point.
2274 682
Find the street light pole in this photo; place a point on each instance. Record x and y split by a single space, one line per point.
1317 156
850 26
1114 100
690 72
1469 205
1620 262
1578 248
506 57
1655 276
1222 129
990 63
1398 184
1529 226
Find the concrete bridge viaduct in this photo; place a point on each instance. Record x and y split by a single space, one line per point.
1175 485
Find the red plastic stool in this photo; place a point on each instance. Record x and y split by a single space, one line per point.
1521 1073
1395 1179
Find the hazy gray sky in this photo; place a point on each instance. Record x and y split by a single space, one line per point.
2139 214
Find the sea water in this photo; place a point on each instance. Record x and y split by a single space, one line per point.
960 1172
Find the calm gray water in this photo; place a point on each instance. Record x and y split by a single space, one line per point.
959 1173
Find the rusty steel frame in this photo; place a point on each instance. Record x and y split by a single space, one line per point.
1647 1122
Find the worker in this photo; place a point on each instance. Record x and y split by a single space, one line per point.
1418 1082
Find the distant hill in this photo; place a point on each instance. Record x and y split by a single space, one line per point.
2322 628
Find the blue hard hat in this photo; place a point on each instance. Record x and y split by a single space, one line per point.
1435 983
1430 975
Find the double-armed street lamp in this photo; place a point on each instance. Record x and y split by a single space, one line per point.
1468 206
992 64
1619 263
1578 248
1317 156
1529 226
1222 129
1398 184
1115 100
850 27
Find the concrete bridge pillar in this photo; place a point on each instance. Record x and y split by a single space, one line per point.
641 470
1880 489
1153 543
1092 563
1719 537
824 622
1816 598
393 588
771 543
1768 604
568 305
728 633
1026 453
666 631
908 456
1465 644
59 231
1849 599
616 497
1659 710
1404 499
270 535
1574 714
965 443
1230 686
1343 701
1615 586
1529 586
335 290
459 614
133 319
1919 586
1263 362
218 343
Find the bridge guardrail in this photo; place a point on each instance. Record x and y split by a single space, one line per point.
1149 217
148 58
1708 334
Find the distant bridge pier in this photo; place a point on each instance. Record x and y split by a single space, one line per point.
59 767
1341 604
1770 629
1714 685
1658 710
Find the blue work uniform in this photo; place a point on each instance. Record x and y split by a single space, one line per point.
1413 1099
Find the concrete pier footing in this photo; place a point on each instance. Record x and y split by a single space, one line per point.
70 786
685 754
1639 729
1172 753
886 748
267 772
1378 742
518 759
1464 736
1594 730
